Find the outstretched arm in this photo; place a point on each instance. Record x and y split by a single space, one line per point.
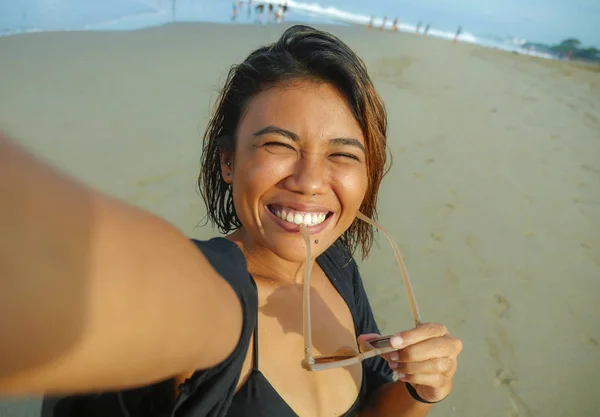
96 294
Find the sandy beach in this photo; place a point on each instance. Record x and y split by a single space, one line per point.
494 195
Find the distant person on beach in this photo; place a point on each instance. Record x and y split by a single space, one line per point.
278 14
370 25
260 10
249 9
109 302
395 25
426 31
270 14
418 28
236 7
383 23
458 32
284 10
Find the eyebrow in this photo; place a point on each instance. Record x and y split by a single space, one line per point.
291 135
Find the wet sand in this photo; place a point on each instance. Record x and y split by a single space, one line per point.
494 196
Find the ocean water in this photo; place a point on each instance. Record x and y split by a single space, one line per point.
20 16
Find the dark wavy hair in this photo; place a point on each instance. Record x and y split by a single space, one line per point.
302 52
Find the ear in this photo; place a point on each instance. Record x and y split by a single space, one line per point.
227 166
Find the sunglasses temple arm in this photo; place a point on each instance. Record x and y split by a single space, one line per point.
407 284
351 361
336 364
306 325
376 352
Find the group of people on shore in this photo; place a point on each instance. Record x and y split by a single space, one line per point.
275 13
383 23
420 29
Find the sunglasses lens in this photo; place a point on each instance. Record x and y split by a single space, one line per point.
330 359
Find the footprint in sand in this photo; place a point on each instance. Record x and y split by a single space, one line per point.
453 279
527 197
590 168
502 305
471 241
437 237
531 99
590 341
418 175
591 118
508 380
505 378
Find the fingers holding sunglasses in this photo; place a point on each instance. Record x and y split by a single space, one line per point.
427 359
431 381
431 387
439 366
418 334
439 347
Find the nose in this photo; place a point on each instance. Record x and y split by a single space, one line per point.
310 176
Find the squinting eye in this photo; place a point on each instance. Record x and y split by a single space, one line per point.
346 155
278 145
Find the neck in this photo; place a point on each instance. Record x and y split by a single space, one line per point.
264 264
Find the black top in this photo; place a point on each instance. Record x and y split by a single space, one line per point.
211 392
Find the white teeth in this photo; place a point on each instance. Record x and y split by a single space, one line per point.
309 219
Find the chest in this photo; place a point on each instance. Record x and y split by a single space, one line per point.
280 348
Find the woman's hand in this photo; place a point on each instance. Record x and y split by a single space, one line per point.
426 358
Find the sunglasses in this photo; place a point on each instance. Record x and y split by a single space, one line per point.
380 346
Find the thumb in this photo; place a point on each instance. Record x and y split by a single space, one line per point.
363 341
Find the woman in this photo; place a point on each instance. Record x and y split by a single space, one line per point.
105 297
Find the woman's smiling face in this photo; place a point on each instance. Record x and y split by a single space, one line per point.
299 158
